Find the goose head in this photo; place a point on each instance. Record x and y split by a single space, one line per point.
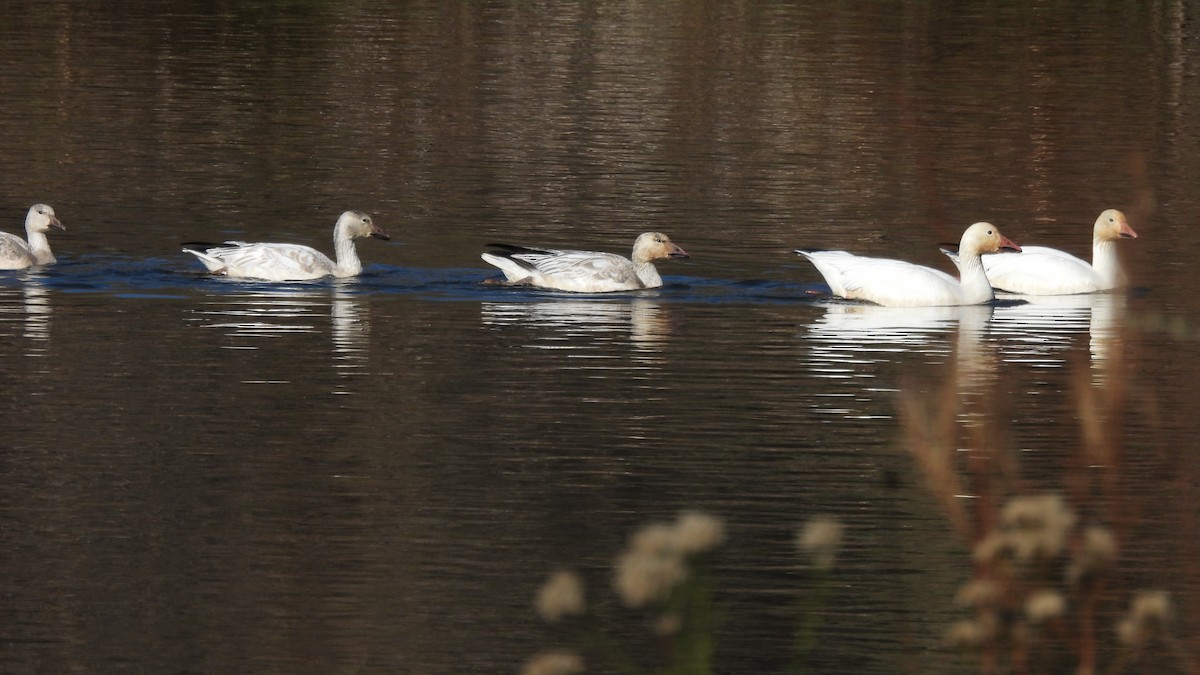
985 238
41 218
652 246
357 225
1112 225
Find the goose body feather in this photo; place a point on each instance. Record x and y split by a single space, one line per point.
585 271
1041 270
896 283
292 262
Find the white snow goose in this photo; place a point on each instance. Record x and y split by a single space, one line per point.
291 262
895 283
17 253
1041 270
585 271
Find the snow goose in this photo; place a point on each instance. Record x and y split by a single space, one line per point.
1041 270
292 262
16 253
895 283
585 271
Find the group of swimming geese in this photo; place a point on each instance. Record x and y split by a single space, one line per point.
1032 270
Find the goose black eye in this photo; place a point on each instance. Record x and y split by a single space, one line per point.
989 231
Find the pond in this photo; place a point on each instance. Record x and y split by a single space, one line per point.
378 474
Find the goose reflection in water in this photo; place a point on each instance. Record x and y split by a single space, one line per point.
29 305
1044 327
351 330
37 315
646 322
252 319
249 317
850 343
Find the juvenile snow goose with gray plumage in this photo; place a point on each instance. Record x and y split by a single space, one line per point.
293 262
17 253
585 271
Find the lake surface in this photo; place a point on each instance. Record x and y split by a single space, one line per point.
377 474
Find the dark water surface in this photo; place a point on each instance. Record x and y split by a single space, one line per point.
376 474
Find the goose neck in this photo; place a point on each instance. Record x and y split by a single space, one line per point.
975 285
348 264
39 246
647 273
1106 263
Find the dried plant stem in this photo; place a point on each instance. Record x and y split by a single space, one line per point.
1087 632
930 436
596 641
810 613
1180 651
695 647
1020 653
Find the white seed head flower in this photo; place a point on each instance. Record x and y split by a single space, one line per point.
1129 633
645 579
561 596
820 538
1037 525
655 538
971 633
1149 612
1031 512
980 593
554 663
697 532
668 624
992 548
1045 605
651 568
1153 606
1100 543
1098 553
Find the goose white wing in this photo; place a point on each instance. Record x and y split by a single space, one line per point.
577 271
895 283
14 252
1046 251
272 262
1039 270
590 268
